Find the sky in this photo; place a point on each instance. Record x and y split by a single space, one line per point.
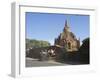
47 26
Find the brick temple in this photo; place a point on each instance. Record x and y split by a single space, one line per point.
67 39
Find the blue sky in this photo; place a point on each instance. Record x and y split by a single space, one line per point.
46 26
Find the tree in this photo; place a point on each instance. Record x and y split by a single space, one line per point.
36 43
84 51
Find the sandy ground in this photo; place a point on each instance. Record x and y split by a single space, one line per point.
30 62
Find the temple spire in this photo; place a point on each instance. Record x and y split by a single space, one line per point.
66 28
65 23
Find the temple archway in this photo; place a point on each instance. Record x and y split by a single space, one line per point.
69 45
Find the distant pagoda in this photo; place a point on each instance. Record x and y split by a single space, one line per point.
67 39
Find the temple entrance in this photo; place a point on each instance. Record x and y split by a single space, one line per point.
69 45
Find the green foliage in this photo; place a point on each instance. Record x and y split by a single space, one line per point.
36 43
84 51
85 40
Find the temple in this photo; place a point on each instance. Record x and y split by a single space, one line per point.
67 39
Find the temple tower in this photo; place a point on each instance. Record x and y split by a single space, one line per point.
67 39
